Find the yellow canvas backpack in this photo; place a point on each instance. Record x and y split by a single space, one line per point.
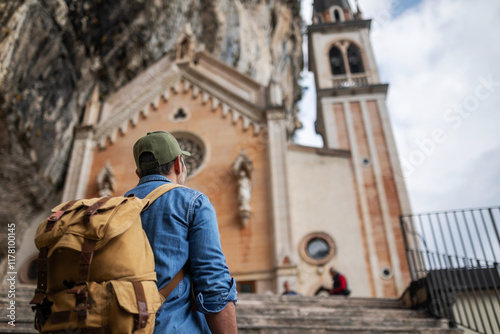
96 271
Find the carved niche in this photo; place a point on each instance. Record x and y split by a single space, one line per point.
106 181
242 169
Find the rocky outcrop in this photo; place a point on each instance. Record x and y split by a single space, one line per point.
53 52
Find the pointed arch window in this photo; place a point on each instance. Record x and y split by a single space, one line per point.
354 59
337 61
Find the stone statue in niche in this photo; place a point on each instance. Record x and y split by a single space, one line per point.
106 181
185 44
242 169
244 191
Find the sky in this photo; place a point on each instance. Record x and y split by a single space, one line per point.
440 58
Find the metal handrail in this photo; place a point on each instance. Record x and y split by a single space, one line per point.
455 255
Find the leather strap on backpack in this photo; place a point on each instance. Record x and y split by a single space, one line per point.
41 270
80 289
141 320
91 210
86 257
51 221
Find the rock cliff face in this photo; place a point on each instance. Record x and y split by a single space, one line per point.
53 52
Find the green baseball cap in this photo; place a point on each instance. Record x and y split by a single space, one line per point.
163 145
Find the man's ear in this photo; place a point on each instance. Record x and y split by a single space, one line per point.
178 165
137 173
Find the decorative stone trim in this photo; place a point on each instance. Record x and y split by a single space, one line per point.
131 113
181 114
120 118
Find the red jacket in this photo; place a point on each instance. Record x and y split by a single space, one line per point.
339 285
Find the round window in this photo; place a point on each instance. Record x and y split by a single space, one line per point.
386 273
194 145
317 248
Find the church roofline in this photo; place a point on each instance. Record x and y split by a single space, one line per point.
321 5
216 63
253 111
338 26
321 150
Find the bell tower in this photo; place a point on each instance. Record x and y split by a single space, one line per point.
352 116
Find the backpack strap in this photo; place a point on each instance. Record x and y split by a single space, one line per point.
153 196
51 221
92 210
167 289
86 255
41 270
141 320
160 191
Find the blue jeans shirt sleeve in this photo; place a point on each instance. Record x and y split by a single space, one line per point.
212 283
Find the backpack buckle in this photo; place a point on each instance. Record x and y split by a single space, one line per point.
39 297
81 300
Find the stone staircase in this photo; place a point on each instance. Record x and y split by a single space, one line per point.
23 313
269 314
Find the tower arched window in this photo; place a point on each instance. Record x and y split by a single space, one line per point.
336 15
355 60
336 61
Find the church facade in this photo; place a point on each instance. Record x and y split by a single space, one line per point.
286 212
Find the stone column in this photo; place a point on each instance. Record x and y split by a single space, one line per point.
82 155
284 254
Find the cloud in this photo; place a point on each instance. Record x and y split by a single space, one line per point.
436 56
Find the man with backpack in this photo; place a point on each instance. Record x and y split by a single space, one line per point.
182 228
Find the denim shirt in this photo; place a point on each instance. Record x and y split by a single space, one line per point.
182 228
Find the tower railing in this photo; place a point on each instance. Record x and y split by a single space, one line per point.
350 80
454 263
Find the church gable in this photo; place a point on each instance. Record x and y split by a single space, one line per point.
217 83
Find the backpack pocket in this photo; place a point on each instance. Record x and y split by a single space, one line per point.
126 307
112 308
62 315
